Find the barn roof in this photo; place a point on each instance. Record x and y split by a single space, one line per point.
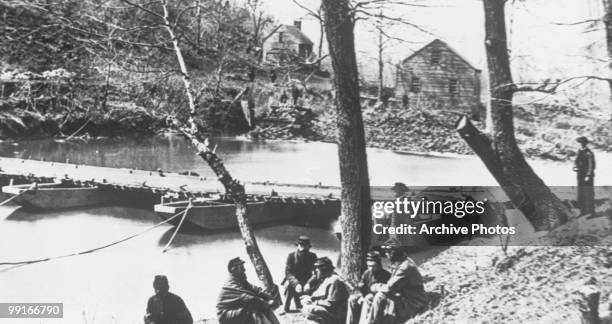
295 32
447 46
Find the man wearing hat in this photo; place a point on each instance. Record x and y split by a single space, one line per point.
165 307
584 165
403 296
242 303
371 281
298 270
327 305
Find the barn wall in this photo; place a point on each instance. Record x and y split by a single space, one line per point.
435 80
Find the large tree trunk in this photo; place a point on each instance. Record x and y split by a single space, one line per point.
500 153
608 25
356 218
233 188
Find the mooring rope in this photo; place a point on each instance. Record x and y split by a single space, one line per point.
17 263
178 227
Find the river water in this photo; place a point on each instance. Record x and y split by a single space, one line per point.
112 285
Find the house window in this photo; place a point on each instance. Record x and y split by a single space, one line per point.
435 56
453 86
415 84
280 37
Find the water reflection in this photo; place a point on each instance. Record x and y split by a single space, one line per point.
292 162
115 282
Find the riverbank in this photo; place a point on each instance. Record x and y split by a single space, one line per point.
543 131
52 110
543 283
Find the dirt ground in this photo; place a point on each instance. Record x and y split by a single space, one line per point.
539 283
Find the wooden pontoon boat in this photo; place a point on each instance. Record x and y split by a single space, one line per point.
53 196
212 214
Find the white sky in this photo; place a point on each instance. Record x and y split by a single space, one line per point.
546 49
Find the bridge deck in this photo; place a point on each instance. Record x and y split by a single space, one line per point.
152 180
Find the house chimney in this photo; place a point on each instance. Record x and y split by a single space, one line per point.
297 24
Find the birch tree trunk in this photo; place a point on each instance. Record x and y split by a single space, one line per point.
356 218
608 25
233 188
500 152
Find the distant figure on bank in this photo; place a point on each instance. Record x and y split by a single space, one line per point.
584 165
405 101
165 307
252 75
284 97
327 305
242 303
372 280
295 94
273 76
403 296
299 269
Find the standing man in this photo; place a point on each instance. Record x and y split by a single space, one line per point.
298 270
165 307
371 281
242 303
295 94
403 296
584 165
327 305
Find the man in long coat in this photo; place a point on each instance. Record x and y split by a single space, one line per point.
299 269
327 305
165 307
403 296
584 165
242 303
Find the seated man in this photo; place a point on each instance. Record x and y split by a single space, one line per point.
242 303
165 307
371 281
298 271
327 305
403 296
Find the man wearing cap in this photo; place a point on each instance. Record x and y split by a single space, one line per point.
242 303
584 165
298 270
327 305
371 281
403 296
165 307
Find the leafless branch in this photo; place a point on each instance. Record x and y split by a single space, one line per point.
587 21
551 87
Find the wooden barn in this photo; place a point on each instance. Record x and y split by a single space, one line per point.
286 44
437 76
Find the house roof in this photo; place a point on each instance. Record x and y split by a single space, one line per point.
295 32
447 46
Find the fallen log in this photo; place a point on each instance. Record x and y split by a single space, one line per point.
527 192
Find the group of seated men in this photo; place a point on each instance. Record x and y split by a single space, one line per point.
322 295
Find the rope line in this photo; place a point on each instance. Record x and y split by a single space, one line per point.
14 263
178 227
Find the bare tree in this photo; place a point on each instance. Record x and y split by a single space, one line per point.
356 218
607 20
169 20
500 152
